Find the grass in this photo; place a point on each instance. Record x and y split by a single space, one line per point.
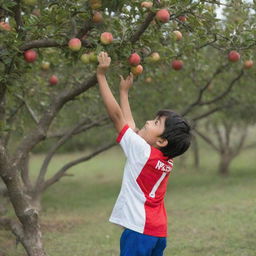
208 215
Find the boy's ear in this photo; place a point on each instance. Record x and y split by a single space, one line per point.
162 142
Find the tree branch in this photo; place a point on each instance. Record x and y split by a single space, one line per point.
57 145
203 89
59 174
222 95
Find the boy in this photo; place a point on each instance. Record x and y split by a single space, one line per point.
140 204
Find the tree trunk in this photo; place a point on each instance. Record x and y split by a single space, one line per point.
224 164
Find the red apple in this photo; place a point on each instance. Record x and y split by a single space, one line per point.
248 64
147 5
233 56
106 38
134 59
137 70
45 65
154 57
74 44
177 34
163 15
53 80
177 64
5 26
30 56
97 17
182 18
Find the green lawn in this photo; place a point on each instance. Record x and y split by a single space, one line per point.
208 215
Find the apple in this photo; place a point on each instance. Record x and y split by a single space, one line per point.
147 5
74 44
5 26
53 80
85 58
106 38
177 64
134 59
93 57
95 4
97 17
233 56
45 65
148 80
248 64
177 34
30 56
163 15
36 12
182 18
30 2
137 70
154 57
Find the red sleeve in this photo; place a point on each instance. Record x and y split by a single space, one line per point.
121 134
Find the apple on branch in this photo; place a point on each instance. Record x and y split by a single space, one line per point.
5 26
248 64
146 4
74 44
85 58
182 18
134 59
106 38
154 57
234 56
163 15
137 70
177 64
30 56
53 80
177 35
45 65
97 17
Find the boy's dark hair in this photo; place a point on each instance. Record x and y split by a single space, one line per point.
177 131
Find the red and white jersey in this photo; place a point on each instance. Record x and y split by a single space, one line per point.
140 204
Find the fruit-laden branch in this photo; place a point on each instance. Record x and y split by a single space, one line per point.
222 95
135 37
205 138
59 174
39 133
53 150
60 134
203 89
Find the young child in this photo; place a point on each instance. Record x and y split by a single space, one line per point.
140 205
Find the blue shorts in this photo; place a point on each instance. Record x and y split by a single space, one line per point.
136 244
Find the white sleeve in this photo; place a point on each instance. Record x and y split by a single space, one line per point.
135 148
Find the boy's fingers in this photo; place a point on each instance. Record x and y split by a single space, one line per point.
121 77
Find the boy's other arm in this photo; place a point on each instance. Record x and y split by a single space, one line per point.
125 85
112 107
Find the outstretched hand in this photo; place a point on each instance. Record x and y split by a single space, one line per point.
126 84
104 62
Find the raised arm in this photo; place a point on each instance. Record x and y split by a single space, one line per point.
113 109
125 85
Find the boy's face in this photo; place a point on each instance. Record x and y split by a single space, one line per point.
152 131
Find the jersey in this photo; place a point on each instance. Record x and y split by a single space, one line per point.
140 204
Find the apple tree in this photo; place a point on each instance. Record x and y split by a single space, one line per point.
48 59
